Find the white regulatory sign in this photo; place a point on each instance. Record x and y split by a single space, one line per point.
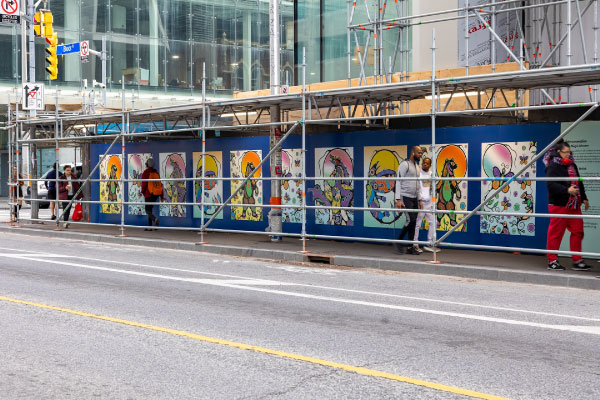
85 48
84 51
33 96
9 11
285 89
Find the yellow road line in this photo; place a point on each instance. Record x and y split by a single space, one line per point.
331 364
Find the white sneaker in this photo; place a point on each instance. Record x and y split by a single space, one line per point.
430 249
418 249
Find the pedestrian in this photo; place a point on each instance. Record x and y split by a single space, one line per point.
67 188
427 204
152 191
51 186
17 191
408 195
565 197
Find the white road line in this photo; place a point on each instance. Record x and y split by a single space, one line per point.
594 330
454 303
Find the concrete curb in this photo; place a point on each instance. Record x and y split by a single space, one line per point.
560 279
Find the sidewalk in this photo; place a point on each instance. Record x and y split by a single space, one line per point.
469 264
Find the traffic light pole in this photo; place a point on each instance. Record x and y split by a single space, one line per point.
102 55
30 14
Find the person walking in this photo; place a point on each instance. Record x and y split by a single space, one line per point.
51 186
427 204
408 195
565 197
67 188
152 191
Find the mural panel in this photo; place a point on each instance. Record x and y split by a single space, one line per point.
242 163
136 164
334 163
452 162
292 189
111 193
499 162
172 166
380 163
213 189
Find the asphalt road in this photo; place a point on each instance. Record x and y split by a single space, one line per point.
84 320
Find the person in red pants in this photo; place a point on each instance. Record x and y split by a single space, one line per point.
565 197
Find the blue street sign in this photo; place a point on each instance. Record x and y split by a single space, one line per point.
68 48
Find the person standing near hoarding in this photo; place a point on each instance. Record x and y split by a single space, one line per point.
152 191
426 213
565 197
408 195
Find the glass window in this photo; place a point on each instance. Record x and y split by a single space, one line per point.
309 39
10 62
124 60
152 63
177 20
123 16
178 65
203 22
150 22
203 53
93 15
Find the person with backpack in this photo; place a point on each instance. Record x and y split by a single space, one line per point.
152 191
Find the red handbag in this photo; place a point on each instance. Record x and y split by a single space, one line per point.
77 213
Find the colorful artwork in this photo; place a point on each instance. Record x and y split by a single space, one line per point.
380 163
334 163
292 189
451 162
136 164
500 161
213 188
242 163
172 166
111 192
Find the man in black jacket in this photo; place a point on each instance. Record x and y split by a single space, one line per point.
565 197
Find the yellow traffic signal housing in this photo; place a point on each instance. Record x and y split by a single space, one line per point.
52 59
38 25
47 22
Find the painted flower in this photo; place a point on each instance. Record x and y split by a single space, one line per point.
531 227
505 203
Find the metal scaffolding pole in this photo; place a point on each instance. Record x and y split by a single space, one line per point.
304 198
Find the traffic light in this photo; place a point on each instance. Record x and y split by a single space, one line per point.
38 25
52 59
47 22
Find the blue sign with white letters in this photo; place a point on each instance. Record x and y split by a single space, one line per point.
68 48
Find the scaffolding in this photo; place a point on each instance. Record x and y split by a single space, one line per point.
373 106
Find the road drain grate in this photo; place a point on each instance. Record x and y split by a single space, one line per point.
320 258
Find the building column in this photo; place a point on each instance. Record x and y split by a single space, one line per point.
71 63
247 26
154 20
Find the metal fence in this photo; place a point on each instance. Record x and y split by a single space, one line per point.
365 107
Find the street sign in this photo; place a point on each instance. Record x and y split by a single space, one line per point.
33 96
285 89
68 48
9 11
85 51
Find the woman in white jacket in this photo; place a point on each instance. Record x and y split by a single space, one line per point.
425 194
